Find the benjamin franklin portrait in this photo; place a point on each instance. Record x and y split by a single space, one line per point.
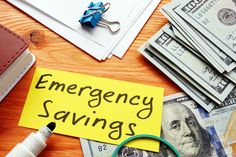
180 128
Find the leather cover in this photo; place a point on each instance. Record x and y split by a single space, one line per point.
11 46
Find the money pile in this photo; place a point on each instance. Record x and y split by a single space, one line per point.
215 123
197 48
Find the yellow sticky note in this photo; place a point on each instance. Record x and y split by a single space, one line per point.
95 108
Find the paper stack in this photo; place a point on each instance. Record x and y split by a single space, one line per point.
63 18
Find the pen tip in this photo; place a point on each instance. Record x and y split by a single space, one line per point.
51 126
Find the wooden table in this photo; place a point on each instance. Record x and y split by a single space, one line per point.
54 52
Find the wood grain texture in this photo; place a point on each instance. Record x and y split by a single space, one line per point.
54 52
233 150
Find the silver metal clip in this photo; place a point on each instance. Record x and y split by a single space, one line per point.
113 26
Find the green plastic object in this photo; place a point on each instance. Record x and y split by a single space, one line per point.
115 153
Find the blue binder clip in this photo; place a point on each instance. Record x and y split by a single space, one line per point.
93 17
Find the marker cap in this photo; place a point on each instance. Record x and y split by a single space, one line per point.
34 143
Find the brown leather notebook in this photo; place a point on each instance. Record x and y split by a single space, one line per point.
15 59
11 46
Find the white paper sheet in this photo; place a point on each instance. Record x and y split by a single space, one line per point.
129 37
98 42
69 12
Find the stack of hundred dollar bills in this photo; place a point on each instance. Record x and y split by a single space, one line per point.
197 48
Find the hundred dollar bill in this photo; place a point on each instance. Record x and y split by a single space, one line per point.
191 36
182 125
215 19
179 73
227 63
220 118
222 58
169 30
177 33
182 82
198 70
96 149
204 46
174 33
